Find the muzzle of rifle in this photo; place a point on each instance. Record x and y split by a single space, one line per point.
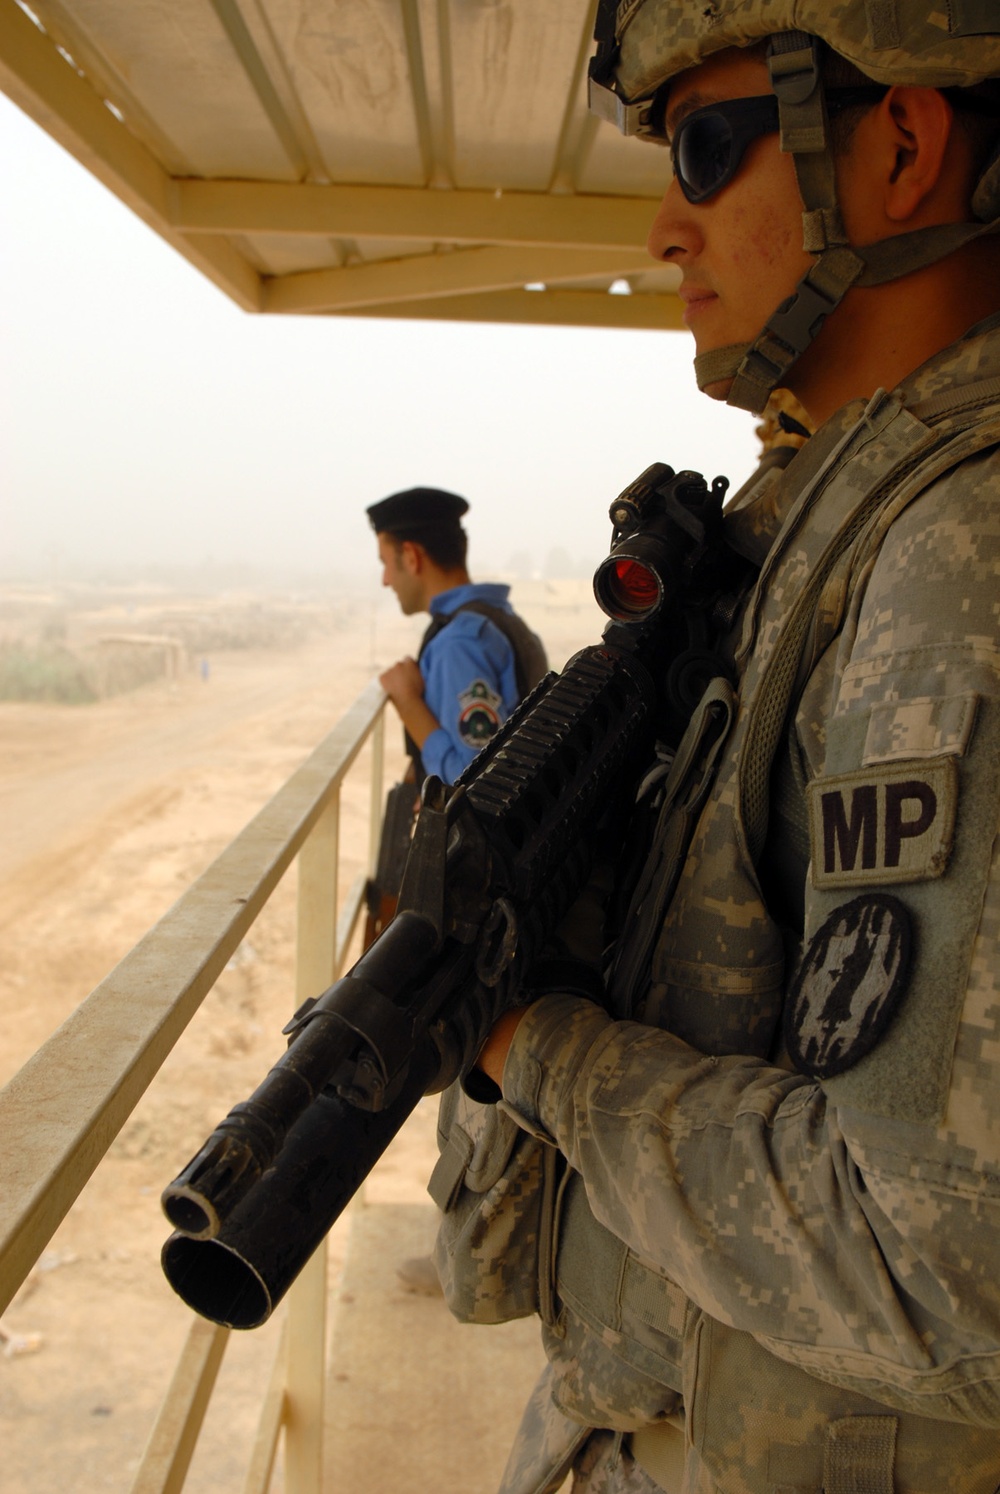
239 1277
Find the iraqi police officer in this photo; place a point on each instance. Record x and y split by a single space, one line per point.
477 658
754 1196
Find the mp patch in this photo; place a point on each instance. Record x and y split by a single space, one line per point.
884 823
849 985
479 713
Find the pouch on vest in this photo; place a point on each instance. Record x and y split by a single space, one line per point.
617 1346
766 1427
495 1186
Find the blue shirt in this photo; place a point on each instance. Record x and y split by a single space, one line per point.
470 679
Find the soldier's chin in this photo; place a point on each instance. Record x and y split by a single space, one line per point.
718 389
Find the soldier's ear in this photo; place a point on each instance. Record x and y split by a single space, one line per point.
920 146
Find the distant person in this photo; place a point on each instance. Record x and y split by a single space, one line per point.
476 660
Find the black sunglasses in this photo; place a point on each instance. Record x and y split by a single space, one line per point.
709 144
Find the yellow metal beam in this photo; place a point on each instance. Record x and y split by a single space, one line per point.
42 83
411 213
272 1417
548 308
315 967
433 277
171 1445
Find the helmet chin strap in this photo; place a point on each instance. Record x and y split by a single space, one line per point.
758 368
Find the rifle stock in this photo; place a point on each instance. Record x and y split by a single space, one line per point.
494 865
382 890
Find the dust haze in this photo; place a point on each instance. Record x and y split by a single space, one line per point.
189 600
151 426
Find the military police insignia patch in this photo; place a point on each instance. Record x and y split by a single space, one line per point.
849 985
886 823
479 716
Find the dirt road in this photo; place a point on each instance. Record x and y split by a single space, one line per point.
109 812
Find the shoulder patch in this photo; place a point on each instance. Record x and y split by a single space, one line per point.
849 985
479 713
882 824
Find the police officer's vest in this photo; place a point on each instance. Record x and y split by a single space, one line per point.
530 662
626 1330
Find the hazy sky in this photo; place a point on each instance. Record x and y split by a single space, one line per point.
146 419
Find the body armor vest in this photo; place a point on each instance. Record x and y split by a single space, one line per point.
615 1309
530 662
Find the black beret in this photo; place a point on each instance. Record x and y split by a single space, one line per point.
416 509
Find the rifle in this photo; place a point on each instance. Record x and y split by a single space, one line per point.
495 863
382 890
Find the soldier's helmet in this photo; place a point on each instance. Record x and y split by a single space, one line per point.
953 46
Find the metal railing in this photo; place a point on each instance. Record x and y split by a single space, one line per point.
61 1113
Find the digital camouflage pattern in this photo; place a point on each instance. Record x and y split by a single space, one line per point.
607 1467
831 1246
923 42
487 1257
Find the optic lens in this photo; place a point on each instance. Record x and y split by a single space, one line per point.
634 582
627 590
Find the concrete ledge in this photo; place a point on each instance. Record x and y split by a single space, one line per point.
415 1400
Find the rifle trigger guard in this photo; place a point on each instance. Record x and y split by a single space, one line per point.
499 943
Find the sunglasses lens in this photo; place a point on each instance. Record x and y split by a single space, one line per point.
703 154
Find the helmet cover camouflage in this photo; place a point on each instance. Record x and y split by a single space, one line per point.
921 42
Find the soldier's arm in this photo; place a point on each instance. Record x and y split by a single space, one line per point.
851 1219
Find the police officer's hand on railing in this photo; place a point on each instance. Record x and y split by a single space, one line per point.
403 681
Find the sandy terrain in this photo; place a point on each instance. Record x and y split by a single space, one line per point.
109 811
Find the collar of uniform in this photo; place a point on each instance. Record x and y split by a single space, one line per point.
473 591
755 514
973 358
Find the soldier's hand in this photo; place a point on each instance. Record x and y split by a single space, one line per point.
493 1054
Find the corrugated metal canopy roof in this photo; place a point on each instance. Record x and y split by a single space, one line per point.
406 158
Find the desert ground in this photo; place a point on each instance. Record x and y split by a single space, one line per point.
109 811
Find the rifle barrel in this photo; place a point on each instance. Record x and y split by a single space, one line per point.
241 1148
237 1278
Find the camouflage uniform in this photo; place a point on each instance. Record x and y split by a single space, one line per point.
814 1245
755 1202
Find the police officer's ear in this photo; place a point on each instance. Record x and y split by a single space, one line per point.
412 557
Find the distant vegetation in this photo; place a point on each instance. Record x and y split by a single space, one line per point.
253 625
73 649
43 671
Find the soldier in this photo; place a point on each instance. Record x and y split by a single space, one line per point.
754 1196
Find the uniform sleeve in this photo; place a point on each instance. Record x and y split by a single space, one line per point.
848 1218
470 687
